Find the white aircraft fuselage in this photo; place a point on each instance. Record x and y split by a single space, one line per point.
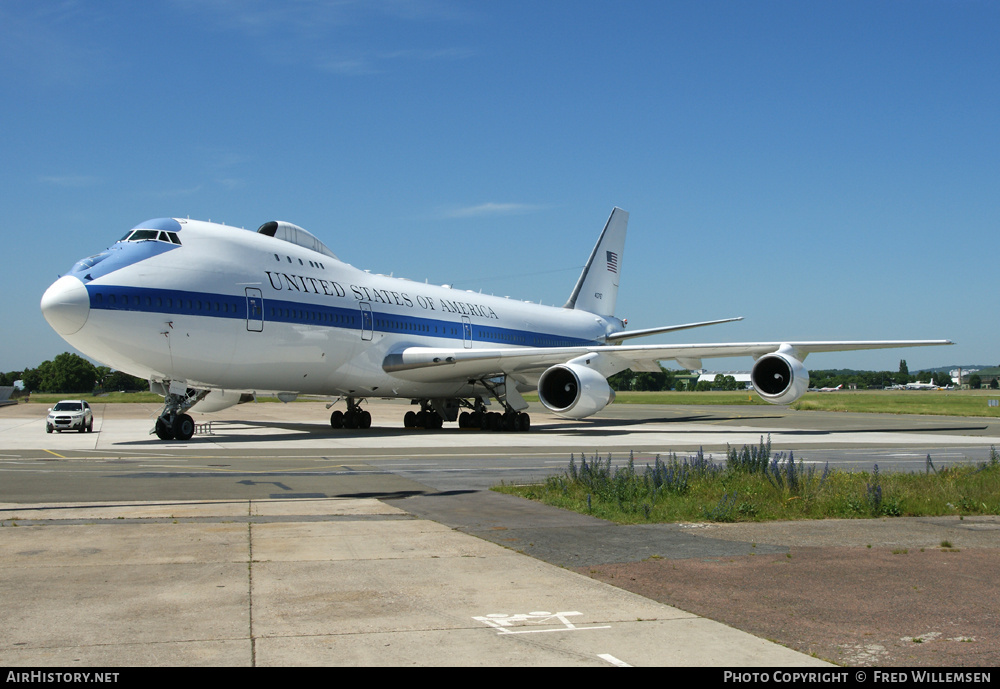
238 310
211 314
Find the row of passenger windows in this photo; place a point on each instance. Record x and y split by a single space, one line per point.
511 338
312 264
403 325
317 316
135 301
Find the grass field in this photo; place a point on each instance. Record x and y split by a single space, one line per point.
943 402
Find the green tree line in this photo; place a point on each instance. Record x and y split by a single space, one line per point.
72 374
667 379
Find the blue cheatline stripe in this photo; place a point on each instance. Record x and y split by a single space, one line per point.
234 306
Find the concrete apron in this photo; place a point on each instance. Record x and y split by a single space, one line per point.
317 582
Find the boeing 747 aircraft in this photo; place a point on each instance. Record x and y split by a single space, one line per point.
212 315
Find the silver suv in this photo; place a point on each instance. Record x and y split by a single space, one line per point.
70 415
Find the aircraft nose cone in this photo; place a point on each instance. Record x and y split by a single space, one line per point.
66 305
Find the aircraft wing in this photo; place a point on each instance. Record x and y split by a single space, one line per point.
430 364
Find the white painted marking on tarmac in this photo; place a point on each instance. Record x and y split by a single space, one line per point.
504 622
611 659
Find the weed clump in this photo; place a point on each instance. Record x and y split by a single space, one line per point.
752 484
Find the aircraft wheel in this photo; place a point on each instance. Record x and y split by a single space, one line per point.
463 419
163 430
364 420
183 427
337 419
410 419
523 423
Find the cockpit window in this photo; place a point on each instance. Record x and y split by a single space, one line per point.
158 229
151 235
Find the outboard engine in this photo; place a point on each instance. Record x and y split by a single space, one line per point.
574 391
779 378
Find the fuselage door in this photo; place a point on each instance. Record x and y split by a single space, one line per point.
466 332
255 310
367 322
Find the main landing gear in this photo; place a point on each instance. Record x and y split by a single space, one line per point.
354 417
425 418
430 419
510 420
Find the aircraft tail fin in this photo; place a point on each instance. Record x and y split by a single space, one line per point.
597 289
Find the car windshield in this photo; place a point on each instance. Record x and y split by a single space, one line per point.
68 406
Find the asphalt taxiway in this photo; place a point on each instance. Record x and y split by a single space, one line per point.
271 539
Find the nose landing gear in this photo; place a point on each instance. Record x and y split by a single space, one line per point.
173 423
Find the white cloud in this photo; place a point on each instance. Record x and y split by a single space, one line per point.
494 209
313 26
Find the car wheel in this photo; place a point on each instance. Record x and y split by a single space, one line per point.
48 428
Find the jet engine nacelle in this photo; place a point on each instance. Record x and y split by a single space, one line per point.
573 391
779 378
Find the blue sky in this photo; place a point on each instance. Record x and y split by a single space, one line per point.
828 170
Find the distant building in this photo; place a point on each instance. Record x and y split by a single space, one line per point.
742 377
961 375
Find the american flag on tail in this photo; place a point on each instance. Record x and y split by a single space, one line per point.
612 262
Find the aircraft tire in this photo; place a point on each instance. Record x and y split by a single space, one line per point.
337 419
364 420
523 423
163 430
183 427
